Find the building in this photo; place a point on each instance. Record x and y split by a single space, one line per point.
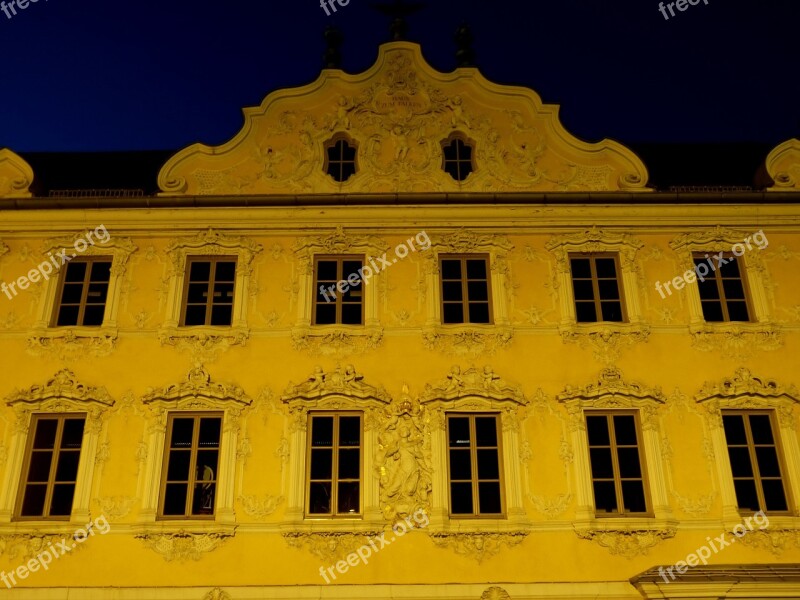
406 337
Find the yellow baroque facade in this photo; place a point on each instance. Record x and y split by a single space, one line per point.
402 337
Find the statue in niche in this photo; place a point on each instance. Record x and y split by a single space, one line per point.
405 474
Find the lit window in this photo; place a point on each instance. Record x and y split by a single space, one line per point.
189 481
616 464
51 466
474 465
465 289
208 297
334 473
755 461
722 294
596 288
83 292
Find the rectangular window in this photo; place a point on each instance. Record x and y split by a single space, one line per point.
332 306
51 466
596 288
723 293
189 480
755 461
474 465
82 293
465 289
334 459
616 463
208 295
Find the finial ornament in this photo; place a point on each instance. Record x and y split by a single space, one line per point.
399 10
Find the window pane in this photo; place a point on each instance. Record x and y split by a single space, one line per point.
606 267
320 498
178 467
451 290
195 315
737 311
460 464
203 499
485 431
209 432
629 462
489 497
731 268
45 436
93 315
740 462
175 499
633 496
768 465
746 497
349 431
708 289
321 464
461 498
597 429
478 313
488 464
101 271
325 314
33 500
761 429
608 289
349 467
712 312
605 496
61 503
226 271
602 465
221 314
322 431
734 429
348 499
97 292
67 468
67 315
458 430
207 465
199 271
774 495
478 290
39 469
585 312
351 314
581 268
326 270
451 269
476 268
733 289
453 313
182 430
583 290
625 430
612 311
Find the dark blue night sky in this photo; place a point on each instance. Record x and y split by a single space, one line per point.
83 75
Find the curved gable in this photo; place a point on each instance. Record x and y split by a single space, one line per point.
398 114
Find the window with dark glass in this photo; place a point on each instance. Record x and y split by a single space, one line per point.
474 465
458 159
50 471
189 481
723 294
755 461
596 288
334 472
83 292
208 297
330 305
465 289
616 464
340 159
